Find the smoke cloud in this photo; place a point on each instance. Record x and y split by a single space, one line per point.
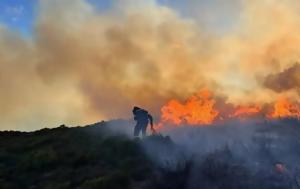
212 156
82 66
285 80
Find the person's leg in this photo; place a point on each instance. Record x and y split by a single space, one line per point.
137 129
144 129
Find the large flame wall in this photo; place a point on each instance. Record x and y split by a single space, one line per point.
200 109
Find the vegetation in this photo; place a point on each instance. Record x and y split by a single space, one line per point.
87 157
94 157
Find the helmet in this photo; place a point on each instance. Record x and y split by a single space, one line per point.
135 108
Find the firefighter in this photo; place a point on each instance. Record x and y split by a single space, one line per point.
142 117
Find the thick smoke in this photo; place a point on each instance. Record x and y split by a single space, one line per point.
248 154
82 66
285 80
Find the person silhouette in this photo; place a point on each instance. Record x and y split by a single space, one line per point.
142 117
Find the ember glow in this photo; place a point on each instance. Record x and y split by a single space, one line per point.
246 111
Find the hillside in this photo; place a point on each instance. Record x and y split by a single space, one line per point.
95 156
80 157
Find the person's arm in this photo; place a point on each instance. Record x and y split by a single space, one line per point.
151 121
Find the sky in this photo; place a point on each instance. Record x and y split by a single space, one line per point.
76 62
20 15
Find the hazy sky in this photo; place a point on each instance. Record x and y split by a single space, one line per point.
218 15
81 61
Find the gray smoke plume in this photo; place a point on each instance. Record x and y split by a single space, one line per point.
253 154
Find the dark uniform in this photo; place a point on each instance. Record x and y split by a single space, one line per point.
142 117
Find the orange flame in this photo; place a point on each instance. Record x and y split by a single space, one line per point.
283 108
246 111
198 109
